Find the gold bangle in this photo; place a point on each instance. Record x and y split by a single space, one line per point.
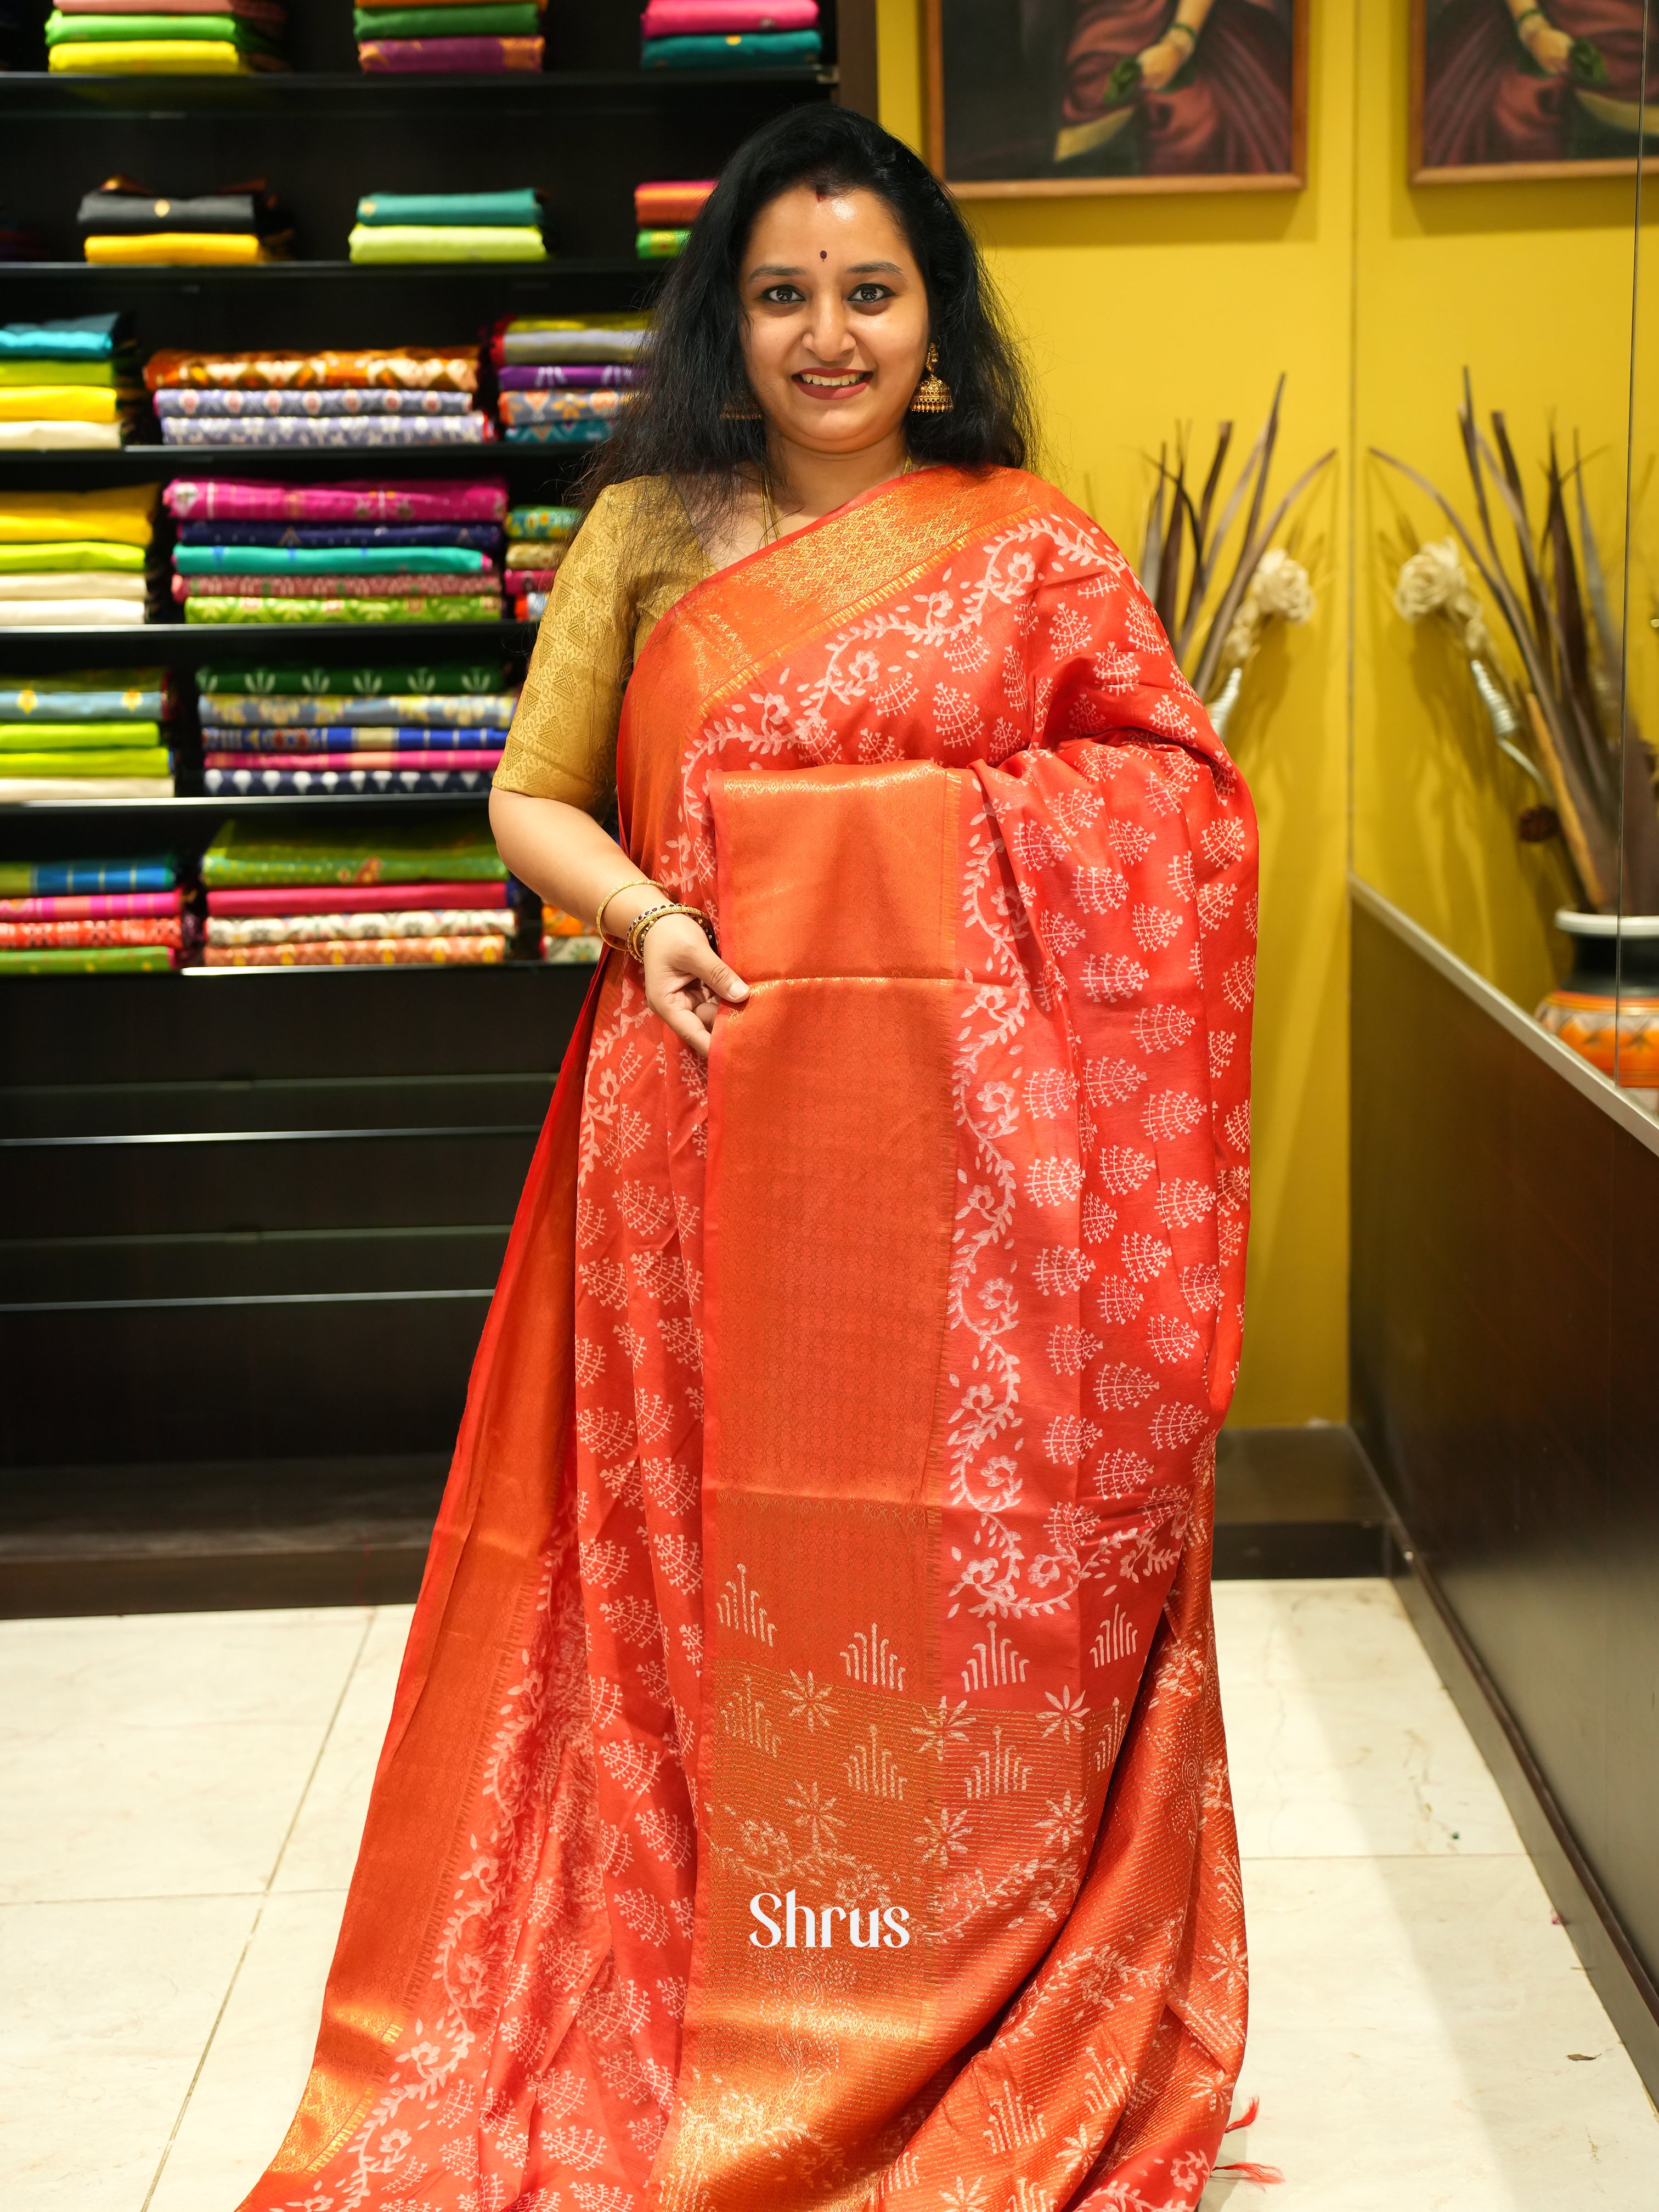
633 884
645 923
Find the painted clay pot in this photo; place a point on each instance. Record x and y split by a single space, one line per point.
1607 1009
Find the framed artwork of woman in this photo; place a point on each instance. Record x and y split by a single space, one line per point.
1057 96
1505 88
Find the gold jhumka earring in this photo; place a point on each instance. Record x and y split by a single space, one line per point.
933 395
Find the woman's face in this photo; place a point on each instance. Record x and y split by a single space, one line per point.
836 319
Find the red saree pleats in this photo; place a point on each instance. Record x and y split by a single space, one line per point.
816 1796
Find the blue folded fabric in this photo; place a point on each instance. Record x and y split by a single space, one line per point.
64 879
76 338
482 536
504 210
734 50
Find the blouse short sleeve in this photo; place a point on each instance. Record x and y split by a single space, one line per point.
632 558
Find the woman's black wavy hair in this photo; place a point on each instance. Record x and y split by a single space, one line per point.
693 369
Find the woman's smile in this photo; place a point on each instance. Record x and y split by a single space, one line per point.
830 385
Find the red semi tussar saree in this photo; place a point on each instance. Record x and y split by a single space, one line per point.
829 1527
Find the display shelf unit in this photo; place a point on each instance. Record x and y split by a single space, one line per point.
247 1235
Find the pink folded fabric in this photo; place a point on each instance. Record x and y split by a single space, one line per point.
702 19
353 898
442 499
450 57
266 13
94 906
320 763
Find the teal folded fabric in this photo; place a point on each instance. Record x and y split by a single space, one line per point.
507 19
734 50
77 338
431 241
328 560
489 209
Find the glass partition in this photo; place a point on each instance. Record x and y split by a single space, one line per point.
1634 955
1495 244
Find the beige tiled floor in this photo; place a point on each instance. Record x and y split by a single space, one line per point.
179 1800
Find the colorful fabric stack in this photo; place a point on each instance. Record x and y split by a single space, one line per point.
564 380
77 557
94 735
90 917
383 731
166 38
497 35
568 942
122 224
402 895
697 34
449 227
70 385
337 553
536 539
665 214
406 396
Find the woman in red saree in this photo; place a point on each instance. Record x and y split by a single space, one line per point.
1499 84
806 1785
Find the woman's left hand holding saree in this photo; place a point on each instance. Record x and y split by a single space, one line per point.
560 851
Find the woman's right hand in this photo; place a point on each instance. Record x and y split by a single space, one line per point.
1551 49
686 982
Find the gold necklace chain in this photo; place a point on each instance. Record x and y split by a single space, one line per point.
771 522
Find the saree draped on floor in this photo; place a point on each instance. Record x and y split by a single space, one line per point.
806 1786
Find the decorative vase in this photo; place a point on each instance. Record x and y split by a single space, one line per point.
1607 1009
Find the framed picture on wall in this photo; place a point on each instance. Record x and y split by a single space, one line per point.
1503 89
1029 97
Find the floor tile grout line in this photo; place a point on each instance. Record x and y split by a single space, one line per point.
260 1913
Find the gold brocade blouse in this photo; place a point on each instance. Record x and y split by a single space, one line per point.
634 557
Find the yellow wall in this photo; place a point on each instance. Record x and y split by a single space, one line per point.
1529 285
1141 313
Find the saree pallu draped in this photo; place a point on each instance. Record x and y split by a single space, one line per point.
806 1785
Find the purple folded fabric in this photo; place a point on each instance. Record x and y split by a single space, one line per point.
570 376
450 56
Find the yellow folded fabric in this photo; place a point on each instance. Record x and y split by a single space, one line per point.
118 760
219 249
57 403
124 516
152 57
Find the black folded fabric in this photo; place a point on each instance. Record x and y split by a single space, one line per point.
119 209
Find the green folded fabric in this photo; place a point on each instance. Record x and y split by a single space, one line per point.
102 374
522 209
76 737
461 607
660 244
328 560
117 760
255 679
87 960
513 20
543 521
74 30
459 852
69 553
423 241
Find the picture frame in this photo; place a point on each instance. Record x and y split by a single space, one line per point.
1003 98
1461 49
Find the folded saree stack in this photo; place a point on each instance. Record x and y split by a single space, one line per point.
536 537
449 227
664 214
458 39
166 38
77 558
121 224
696 34
67 386
412 727
401 896
97 734
564 379
403 396
89 917
337 553
567 941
